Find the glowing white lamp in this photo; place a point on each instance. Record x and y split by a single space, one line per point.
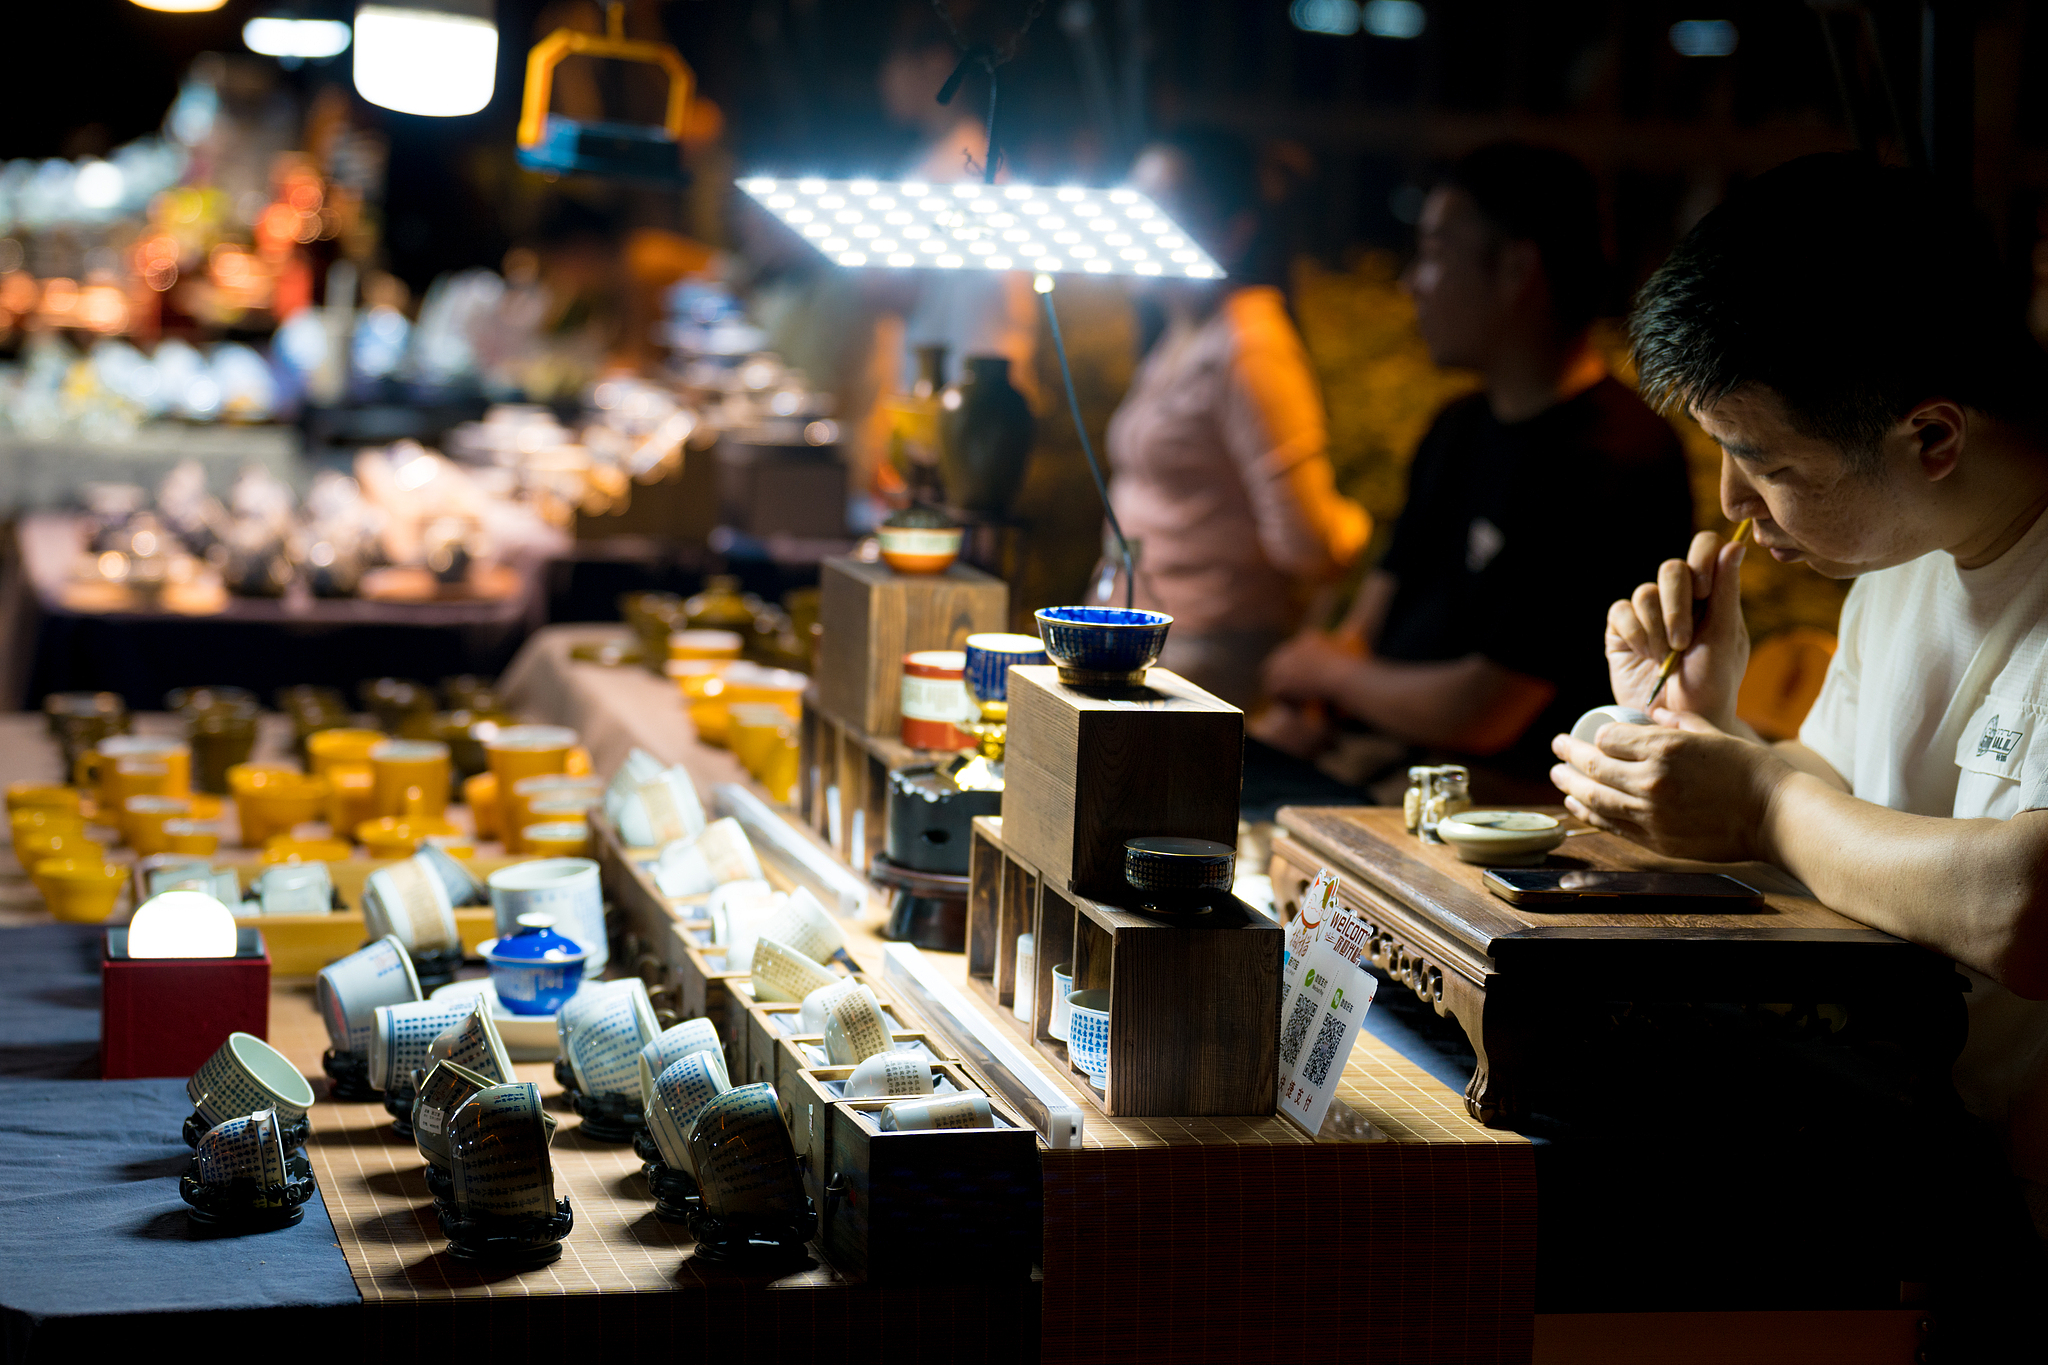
182 6
311 40
1048 230
182 924
438 59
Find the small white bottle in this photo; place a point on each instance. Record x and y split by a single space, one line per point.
1027 976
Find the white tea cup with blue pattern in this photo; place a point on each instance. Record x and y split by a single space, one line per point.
605 1041
247 1147
246 1074
681 1092
1088 1034
348 991
403 1035
671 1046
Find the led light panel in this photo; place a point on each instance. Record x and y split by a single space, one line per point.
905 224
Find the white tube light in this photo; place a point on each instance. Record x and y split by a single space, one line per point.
1047 230
310 40
425 61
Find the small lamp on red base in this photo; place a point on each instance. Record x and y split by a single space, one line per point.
164 1015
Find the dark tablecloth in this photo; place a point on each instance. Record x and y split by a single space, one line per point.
94 1238
50 1000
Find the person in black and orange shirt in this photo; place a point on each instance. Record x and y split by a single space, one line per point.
1532 504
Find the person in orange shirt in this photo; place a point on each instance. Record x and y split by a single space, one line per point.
1220 473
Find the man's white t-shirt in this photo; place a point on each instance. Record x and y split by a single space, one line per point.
1937 704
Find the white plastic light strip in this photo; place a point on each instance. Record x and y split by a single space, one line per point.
981 1041
911 225
805 863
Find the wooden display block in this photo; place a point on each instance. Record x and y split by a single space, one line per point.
961 1203
1002 903
1087 769
872 616
843 782
807 1099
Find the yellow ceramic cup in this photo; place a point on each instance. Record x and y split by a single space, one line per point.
410 777
784 767
143 818
577 763
392 836
480 794
326 748
516 811
350 799
286 848
557 839
36 845
774 686
270 799
80 890
517 751
754 733
96 763
132 777
705 644
42 796
43 817
201 837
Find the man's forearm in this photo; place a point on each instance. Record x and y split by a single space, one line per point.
1971 889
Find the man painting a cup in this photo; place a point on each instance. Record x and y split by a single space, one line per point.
1846 334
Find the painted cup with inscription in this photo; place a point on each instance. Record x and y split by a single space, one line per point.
744 1161
564 889
474 1044
817 1005
890 1075
780 972
402 1036
954 1111
671 1046
1088 1034
604 1046
498 1154
348 991
660 810
408 899
246 1074
442 1091
247 1147
681 1092
855 1029
720 854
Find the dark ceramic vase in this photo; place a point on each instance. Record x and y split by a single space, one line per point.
985 438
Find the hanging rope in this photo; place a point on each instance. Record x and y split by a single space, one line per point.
988 57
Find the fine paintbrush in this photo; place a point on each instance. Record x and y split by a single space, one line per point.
1699 618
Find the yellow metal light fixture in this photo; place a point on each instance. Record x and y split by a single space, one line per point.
556 145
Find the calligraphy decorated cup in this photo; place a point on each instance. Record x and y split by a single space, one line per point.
745 1164
604 1046
498 1154
671 1046
1088 1034
443 1090
349 990
246 1074
401 1037
855 1029
681 1092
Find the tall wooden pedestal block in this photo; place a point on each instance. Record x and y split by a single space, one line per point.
873 616
1087 769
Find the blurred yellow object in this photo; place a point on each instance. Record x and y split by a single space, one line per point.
96 768
43 817
773 686
286 848
80 890
39 844
206 807
576 763
200 837
556 839
43 796
351 799
755 732
705 645
394 836
143 819
270 799
132 778
480 794
516 810
454 845
326 749
181 6
613 43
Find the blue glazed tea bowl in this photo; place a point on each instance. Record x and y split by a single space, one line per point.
1102 645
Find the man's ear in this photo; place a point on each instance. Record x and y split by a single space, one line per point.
1939 429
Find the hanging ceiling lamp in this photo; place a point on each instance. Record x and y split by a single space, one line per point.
438 58
181 6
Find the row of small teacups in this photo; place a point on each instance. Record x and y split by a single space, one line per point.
1080 1019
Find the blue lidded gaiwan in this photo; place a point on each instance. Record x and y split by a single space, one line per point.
1102 645
534 970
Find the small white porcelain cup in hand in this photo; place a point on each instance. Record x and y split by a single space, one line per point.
1590 724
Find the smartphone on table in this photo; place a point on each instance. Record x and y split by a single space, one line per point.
1544 888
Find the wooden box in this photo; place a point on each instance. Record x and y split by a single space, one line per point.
806 1052
769 1023
1002 903
843 782
808 1095
953 1204
873 616
1086 770
1194 1013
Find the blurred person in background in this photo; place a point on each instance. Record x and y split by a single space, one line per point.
1220 471
1532 504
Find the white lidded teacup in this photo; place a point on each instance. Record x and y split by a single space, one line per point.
348 991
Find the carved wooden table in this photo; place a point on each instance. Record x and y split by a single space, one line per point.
1526 985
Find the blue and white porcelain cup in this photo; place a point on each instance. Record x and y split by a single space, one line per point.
681 1092
818 1004
246 1074
604 1047
745 1163
474 1043
671 1046
408 898
498 1154
248 1147
1062 987
1088 1034
564 889
348 991
781 973
402 1036
444 1089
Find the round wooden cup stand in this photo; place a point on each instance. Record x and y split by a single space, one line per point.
243 1206
348 1075
533 1240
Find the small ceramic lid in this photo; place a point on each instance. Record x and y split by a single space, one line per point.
536 941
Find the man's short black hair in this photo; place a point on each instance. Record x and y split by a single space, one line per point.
1851 290
1547 197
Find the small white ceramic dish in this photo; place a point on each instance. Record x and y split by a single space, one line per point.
528 1037
1501 838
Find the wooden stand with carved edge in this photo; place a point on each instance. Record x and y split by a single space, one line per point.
843 772
1201 994
1529 988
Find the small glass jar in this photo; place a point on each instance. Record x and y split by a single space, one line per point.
1450 792
1421 781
